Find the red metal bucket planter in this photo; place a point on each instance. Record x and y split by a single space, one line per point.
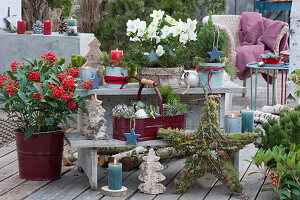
148 127
40 156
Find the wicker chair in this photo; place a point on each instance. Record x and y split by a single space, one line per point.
230 24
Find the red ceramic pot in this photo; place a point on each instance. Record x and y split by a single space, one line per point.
271 61
40 156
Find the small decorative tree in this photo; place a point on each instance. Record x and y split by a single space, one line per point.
151 176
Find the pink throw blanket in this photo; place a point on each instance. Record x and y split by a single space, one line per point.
257 35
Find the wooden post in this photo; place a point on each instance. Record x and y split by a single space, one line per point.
295 37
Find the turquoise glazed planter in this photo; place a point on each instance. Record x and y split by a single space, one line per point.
115 72
216 79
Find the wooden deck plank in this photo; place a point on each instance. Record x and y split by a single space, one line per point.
200 188
8 158
132 183
8 170
10 183
7 148
171 170
93 195
219 191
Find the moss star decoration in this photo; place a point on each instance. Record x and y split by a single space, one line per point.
208 149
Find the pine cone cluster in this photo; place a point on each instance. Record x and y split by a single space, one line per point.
123 111
62 27
38 27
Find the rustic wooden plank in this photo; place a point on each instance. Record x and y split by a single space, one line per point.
200 188
172 169
244 6
132 89
93 195
8 158
6 149
8 170
219 191
28 187
132 183
79 141
230 7
10 183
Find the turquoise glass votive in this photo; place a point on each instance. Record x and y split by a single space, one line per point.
233 123
114 176
247 121
72 22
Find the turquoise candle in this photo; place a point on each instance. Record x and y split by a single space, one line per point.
72 22
247 120
115 176
233 123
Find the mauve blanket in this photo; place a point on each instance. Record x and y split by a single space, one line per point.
257 35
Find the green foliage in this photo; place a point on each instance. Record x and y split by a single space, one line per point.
285 170
174 107
77 61
295 77
112 26
284 133
207 37
66 4
33 100
168 94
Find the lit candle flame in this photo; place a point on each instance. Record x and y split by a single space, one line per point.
232 115
115 161
117 49
247 108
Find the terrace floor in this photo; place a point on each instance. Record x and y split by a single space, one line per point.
74 185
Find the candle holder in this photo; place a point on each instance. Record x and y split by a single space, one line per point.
114 188
233 123
86 73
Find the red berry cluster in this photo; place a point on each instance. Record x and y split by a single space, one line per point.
71 105
14 66
3 78
41 84
74 72
67 96
68 83
273 178
34 76
294 79
38 95
57 90
11 87
87 84
50 57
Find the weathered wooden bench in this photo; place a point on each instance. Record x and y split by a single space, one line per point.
87 149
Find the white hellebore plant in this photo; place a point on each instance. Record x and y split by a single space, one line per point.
160 51
157 14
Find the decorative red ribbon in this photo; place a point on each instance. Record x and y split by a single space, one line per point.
119 80
209 70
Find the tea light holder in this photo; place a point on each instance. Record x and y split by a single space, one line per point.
86 73
233 123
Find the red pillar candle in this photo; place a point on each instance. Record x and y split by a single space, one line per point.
47 27
116 57
21 27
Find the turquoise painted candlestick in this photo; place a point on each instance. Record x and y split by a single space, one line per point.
72 22
233 123
115 176
247 120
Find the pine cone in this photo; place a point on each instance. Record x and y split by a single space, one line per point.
62 27
38 27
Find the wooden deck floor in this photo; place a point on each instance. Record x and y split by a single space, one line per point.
74 184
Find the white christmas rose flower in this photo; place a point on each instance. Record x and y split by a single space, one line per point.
171 20
153 25
183 38
134 39
131 26
157 14
141 28
176 30
191 24
157 39
192 36
160 51
166 31
151 33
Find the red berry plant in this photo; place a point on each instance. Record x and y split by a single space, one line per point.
295 78
40 96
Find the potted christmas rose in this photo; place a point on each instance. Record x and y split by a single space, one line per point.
40 97
211 55
159 49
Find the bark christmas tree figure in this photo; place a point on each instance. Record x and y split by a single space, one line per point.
151 176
